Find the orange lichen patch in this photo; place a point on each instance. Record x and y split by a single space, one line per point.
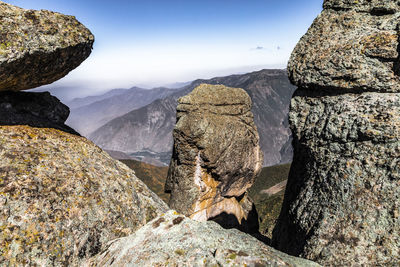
209 189
382 44
209 181
211 204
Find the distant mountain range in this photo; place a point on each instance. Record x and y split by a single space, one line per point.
139 122
90 113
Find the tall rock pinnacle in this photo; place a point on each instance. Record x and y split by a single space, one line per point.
342 202
216 154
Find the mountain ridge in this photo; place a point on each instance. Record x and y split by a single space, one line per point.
270 91
99 110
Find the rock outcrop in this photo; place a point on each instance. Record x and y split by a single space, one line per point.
39 47
351 47
34 109
62 198
175 240
342 201
216 154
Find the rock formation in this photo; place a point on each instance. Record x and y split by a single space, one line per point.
342 201
39 47
62 198
216 154
33 109
175 240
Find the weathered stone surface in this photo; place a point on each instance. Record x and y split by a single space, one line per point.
39 47
34 109
342 200
175 240
62 198
376 7
350 47
216 153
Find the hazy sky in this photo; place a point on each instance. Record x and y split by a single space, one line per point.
156 42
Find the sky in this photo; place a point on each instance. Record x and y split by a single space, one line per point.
151 43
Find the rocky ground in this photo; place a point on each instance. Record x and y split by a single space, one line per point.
62 198
175 240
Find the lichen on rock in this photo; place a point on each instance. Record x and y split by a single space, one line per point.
39 47
342 200
175 240
341 204
62 198
350 48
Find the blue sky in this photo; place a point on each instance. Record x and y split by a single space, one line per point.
156 42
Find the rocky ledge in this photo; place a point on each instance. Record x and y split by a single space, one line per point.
34 109
39 47
351 46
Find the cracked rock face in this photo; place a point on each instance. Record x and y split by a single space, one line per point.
175 240
342 200
62 198
39 47
216 154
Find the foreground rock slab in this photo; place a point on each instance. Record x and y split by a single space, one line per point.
342 200
62 198
34 109
39 47
175 240
216 154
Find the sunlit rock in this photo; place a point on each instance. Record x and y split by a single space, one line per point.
341 205
216 154
39 47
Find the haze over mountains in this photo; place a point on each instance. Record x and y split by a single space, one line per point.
139 122
90 113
